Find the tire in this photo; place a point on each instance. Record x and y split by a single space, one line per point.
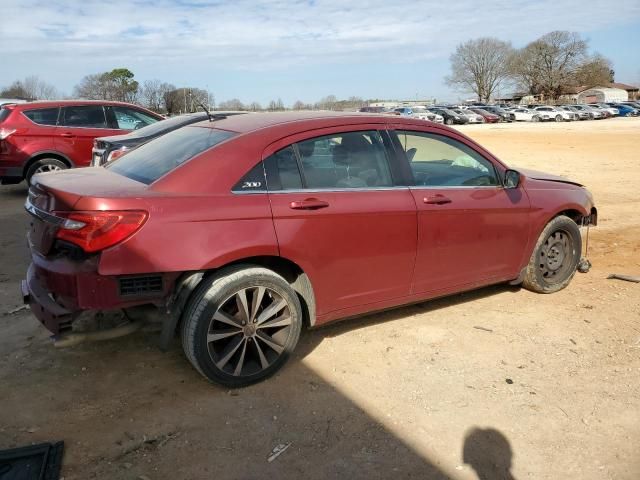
449 121
44 165
558 118
535 118
555 257
247 353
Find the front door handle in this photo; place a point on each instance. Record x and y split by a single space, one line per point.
67 135
437 199
309 204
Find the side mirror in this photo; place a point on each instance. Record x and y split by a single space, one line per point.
511 179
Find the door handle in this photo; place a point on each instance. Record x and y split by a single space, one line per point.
309 204
436 200
67 135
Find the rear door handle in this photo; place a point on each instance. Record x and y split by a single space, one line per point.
309 204
436 200
67 135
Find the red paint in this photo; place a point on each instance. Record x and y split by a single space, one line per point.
362 250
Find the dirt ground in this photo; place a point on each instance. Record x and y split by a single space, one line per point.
464 387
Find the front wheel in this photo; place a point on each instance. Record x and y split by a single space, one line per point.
241 325
558 118
449 121
535 118
555 257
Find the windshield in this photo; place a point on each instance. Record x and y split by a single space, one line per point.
166 125
152 160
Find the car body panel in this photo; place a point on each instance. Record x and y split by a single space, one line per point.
370 248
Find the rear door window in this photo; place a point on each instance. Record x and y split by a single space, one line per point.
154 159
85 116
41 116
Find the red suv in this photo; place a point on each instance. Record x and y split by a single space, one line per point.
241 230
45 136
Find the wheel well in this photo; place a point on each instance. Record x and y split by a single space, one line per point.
289 270
574 215
40 156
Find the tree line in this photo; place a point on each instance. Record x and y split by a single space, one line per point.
120 84
550 66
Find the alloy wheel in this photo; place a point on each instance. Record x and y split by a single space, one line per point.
47 167
249 331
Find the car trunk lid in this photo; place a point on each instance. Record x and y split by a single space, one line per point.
56 192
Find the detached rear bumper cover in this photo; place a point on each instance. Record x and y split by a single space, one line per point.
50 313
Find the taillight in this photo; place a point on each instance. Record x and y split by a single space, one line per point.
116 154
95 231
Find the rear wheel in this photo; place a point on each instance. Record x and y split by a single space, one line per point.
44 165
449 121
555 258
535 118
241 325
558 118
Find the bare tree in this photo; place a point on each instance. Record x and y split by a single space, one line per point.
233 104
480 66
37 88
596 71
31 88
152 94
298 105
549 64
255 107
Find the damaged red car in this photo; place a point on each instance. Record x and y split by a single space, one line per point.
242 231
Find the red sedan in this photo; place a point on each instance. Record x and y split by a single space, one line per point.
488 116
242 230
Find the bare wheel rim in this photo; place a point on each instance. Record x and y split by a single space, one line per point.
47 167
249 331
556 256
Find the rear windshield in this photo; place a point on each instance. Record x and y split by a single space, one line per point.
152 160
166 125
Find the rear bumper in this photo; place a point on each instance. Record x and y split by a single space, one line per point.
47 311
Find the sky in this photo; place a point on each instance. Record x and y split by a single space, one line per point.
294 50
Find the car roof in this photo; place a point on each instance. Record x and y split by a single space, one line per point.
299 120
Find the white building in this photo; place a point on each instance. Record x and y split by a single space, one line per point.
602 94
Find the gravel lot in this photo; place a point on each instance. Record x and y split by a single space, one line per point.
460 388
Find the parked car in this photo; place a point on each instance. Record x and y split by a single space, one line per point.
450 117
107 149
526 115
625 109
424 114
241 231
503 114
580 114
632 103
372 109
488 117
593 114
613 112
557 114
47 136
471 116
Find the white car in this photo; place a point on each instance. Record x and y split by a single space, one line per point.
526 115
557 114
593 113
424 114
472 116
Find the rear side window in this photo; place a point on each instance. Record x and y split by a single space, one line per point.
42 116
4 114
85 116
152 160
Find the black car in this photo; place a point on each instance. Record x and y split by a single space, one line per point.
106 149
450 117
503 114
